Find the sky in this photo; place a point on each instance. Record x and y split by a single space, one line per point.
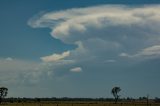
80 48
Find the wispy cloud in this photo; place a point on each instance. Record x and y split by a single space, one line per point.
110 61
13 69
149 52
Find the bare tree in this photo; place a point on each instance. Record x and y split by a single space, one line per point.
3 93
115 91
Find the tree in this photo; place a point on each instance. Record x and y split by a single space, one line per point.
115 91
3 93
147 99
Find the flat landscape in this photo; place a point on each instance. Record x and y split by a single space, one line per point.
77 103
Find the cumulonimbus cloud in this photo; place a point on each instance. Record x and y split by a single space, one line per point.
104 33
64 22
107 32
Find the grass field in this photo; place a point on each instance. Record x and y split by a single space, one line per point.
78 104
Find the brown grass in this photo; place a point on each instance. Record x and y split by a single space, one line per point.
78 104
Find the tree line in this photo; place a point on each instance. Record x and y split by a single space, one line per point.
114 91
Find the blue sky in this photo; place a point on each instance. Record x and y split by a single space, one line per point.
76 48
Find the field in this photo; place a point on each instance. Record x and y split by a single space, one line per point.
79 104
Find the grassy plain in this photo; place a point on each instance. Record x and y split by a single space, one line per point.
79 104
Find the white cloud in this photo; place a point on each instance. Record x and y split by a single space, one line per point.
55 57
63 23
124 55
103 32
149 52
76 69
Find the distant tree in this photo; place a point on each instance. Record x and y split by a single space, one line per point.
157 100
115 91
38 100
3 93
147 99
